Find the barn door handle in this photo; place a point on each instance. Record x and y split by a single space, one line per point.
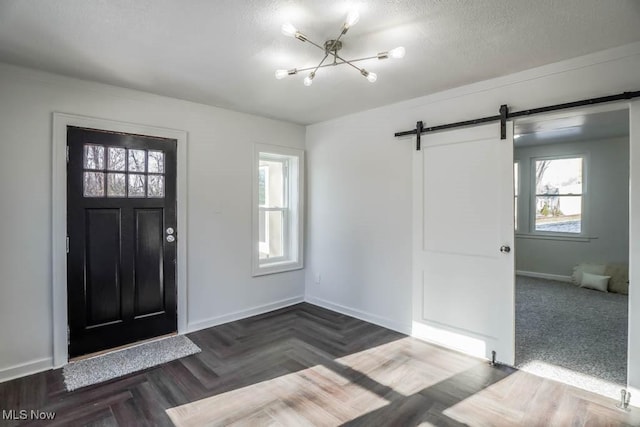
505 249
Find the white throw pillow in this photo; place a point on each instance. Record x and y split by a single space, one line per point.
595 281
586 268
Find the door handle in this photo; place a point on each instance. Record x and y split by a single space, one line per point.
505 249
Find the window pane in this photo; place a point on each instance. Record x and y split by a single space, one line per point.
93 156
271 234
137 185
93 184
274 183
116 185
115 158
560 214
263 171
156 186
156 161
559 176
137 161
263 247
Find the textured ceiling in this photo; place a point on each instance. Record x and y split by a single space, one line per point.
225 52
571 126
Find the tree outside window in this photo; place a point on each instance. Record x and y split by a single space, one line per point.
559 194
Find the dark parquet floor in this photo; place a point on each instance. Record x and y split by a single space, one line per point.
305 365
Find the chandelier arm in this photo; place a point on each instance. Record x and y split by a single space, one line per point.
320 64
342 61
334 53
316 44
349 63
359 59
335 42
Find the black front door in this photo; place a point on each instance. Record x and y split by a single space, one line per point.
121 223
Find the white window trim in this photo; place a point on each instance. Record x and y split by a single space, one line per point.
294 232
533 194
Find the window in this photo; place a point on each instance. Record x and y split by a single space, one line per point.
128 172
278 205
559 192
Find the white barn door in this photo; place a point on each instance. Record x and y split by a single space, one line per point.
463 226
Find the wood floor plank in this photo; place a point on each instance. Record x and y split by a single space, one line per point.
304 365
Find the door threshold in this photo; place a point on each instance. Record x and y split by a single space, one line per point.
122 347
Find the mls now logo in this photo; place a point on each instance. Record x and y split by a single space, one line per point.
27 415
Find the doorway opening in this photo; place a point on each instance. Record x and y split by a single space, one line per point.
571 175
121 236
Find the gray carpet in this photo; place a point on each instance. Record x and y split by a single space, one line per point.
118 363
573 334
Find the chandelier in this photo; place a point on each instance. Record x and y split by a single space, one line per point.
331 48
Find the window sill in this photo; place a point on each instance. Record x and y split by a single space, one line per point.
563 237
276 267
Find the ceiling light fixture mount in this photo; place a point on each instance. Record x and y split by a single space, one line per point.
331 48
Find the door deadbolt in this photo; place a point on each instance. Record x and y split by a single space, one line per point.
170 231
505 249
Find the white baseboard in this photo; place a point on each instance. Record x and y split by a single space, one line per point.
362 315
242 314
24 369
556 277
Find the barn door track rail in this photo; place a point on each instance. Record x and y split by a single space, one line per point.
506 115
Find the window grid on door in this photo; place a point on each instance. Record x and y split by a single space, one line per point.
117 172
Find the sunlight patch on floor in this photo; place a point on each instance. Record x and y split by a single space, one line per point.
505 399
576 379
407 365
299 398
333 391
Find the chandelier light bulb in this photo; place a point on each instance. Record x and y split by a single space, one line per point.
352 19
397 53
289 30
308 81
281 74
372 77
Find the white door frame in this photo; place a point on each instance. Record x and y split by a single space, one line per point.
633 344
59 218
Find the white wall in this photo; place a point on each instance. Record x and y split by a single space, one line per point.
359 179
220 286
606 213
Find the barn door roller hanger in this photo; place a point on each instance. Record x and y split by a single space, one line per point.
505 115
